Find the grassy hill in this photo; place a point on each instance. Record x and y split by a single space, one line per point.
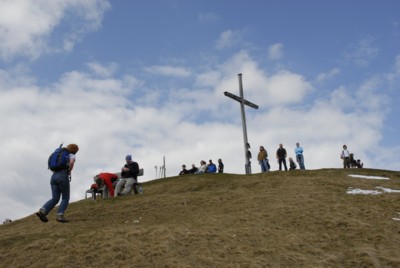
275 219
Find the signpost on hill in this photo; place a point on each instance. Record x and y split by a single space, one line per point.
243 102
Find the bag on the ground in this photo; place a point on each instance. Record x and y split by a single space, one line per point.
59 159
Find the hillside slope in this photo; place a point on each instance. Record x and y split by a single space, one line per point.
275 219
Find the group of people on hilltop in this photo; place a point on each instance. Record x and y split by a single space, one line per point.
281 155
348 159
108 182
204 168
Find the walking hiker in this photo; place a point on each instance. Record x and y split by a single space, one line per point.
60 182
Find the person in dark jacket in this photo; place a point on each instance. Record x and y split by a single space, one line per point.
292 164
184 170
128 179
281 156
194 169
220 166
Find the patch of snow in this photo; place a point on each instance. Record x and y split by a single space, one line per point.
360 191
387 190
380 190
368 177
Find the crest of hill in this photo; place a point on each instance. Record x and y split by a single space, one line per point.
288 219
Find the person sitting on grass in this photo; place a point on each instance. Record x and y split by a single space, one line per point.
211 167
193 170
184 170
202 168
292 164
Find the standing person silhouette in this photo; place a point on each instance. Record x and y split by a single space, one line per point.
220 166
299 156
281 156
262 159
345 155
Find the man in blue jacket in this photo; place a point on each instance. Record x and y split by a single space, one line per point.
211 167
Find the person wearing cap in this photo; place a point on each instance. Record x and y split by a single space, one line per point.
105 182
129 173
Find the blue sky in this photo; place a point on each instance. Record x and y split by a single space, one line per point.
147 78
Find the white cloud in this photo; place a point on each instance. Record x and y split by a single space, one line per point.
168 71
209 17
227 39
103 71
275 51
394 75
286 87
26 26
328 75
363 52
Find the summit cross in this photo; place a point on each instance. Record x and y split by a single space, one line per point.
243 102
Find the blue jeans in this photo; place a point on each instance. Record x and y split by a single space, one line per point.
263 164
300 160
59 183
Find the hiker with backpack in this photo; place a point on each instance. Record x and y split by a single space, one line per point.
61 163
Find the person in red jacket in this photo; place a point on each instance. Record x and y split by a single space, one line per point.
105 181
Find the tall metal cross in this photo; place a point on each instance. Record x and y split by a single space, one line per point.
243 102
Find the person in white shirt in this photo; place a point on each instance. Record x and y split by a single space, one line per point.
346 157
202 168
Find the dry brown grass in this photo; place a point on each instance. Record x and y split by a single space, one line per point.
277 219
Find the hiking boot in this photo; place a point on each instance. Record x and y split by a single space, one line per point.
61 219
42 216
